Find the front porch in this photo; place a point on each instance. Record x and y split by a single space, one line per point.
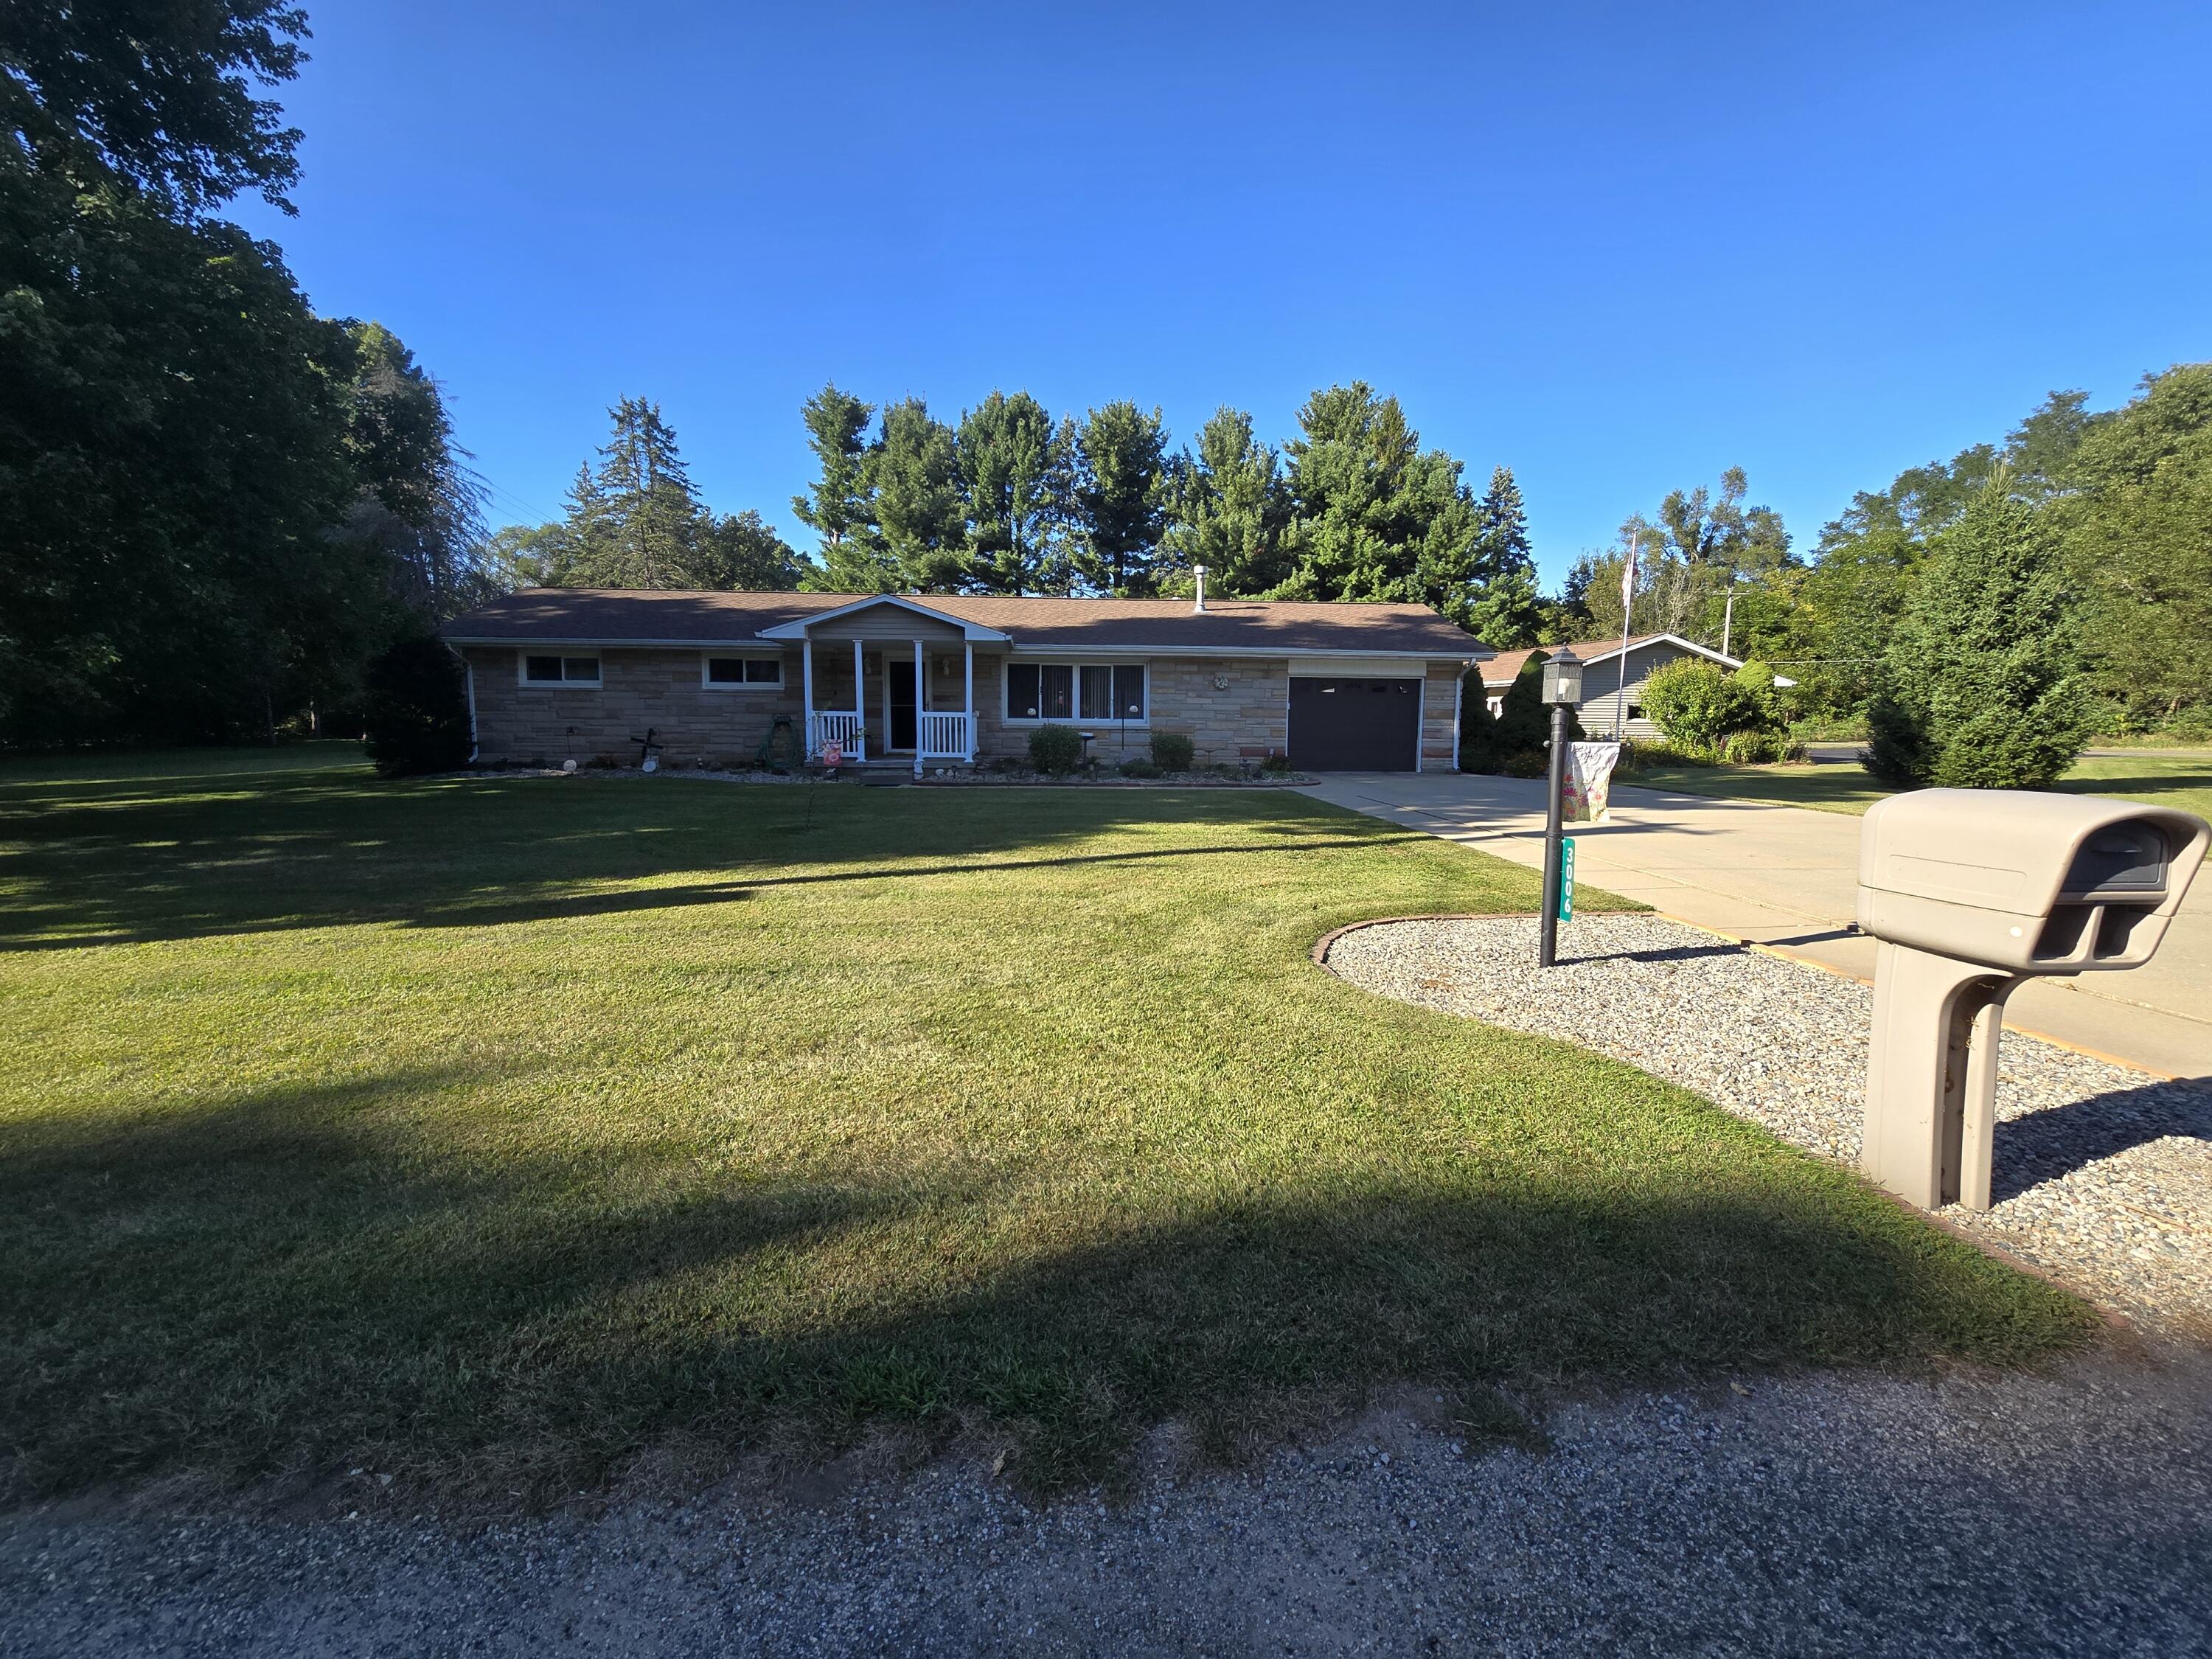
889 680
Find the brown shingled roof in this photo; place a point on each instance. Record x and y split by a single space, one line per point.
614 617
1505 667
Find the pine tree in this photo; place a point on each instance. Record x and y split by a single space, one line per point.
1979 688
1121 485
915 472
1227 510
1012 474
1508 610
635 521
841 507
652 512
1374 515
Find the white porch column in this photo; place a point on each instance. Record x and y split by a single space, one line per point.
920 703
860 699
807 675
968 694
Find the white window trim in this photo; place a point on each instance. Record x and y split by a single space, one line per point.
1008 717
522 672
775 685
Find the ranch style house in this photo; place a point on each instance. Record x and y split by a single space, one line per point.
936 682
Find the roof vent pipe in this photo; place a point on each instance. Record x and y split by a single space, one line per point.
1198 605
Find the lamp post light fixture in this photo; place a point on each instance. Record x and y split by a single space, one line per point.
1563 680
1563 691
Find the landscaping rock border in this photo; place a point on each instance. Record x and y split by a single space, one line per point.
2103 1174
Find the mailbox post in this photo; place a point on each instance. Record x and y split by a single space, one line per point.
1971 893
1562 690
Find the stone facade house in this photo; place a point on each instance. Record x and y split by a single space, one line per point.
931 681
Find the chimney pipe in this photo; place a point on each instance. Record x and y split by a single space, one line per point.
1198 606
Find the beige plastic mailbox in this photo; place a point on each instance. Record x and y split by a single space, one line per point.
1972 892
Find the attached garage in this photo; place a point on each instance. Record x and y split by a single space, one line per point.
1368 723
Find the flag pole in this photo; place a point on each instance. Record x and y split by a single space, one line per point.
1628 604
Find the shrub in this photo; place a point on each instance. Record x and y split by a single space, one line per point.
1979 688
1138 766
1643 756
1057 750
415 710
1275 762
1697 705
1759 747
1710 714
1526 763
1522 724
1173 752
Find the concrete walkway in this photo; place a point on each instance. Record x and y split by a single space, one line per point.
1788 877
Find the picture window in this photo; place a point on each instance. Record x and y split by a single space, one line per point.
1085 691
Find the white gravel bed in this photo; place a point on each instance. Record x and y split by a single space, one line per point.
2102 1176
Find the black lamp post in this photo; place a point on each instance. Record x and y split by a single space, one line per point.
1562 690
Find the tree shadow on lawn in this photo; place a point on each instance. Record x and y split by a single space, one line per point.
336 848
317 1280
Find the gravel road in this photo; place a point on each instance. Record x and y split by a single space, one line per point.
1824 1514
2102 1176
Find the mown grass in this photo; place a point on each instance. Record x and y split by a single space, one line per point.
2182 781
485 1131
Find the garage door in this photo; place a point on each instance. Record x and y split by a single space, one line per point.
1355 726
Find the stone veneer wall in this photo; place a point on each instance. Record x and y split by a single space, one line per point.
1244 720
1439 730
639 689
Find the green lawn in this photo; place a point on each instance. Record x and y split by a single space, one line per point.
486 1131
2185 782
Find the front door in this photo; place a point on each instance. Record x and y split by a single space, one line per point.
898 697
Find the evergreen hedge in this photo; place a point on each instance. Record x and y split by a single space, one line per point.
1981 687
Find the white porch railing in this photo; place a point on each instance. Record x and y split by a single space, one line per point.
841 727
941 736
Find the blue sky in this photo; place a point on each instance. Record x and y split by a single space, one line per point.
1616 248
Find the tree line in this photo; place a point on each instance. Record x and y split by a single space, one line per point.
217 505
1008 498
2081 541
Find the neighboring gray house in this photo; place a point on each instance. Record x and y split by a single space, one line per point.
1604 682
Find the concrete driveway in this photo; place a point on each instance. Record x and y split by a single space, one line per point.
1788 877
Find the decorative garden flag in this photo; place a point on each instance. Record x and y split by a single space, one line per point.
1585 794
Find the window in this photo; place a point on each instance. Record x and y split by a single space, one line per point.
739 673
1064 691
561 670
